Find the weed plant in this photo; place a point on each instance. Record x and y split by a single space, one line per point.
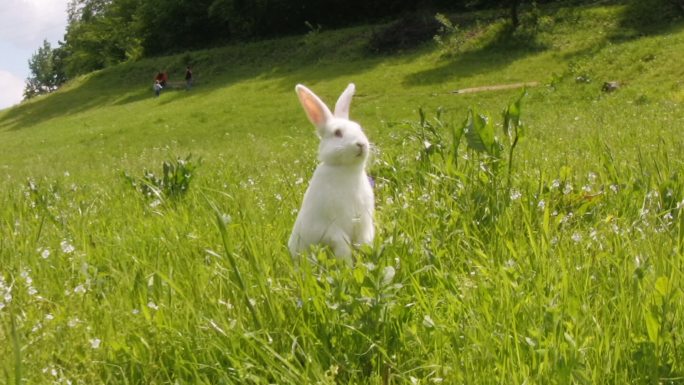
543 245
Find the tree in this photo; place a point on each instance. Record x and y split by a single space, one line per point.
515 21
46 71
100 33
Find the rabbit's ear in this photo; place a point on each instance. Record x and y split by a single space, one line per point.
317 112
342 105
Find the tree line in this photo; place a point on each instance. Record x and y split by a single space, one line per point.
101 33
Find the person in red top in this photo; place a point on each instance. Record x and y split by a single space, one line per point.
160 81
162 77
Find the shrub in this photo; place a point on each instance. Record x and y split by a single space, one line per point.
408 32
173 183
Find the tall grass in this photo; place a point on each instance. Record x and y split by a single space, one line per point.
557 259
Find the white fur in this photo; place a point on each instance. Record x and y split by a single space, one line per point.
338 206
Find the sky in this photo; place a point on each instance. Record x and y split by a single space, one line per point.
24 24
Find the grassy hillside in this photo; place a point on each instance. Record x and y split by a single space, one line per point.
565 269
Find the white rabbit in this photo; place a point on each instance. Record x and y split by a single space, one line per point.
338 206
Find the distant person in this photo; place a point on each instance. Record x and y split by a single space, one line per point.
157 87
160 82
164 79
188 78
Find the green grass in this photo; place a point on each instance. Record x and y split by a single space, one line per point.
572 274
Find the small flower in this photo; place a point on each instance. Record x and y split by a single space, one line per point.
152 305
37 327
80 289
67 248
370 266
577 237
567 189
515 194
555 184
44 252
155 203
95 343
593 234
566 218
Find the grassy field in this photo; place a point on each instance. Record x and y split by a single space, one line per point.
562 266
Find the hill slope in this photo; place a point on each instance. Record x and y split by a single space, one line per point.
559 264
113 111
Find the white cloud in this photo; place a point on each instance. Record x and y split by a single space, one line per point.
24 24
27 22
12 89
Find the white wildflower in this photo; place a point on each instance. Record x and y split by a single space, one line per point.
67 248
555 184
566 218
567 189
44 252
37 327
95 343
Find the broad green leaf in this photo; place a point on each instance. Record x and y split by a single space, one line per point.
480 133
652 325
662 286
359 273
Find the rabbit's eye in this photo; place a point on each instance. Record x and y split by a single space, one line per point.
338 133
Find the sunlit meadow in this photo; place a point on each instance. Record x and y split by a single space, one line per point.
143 240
